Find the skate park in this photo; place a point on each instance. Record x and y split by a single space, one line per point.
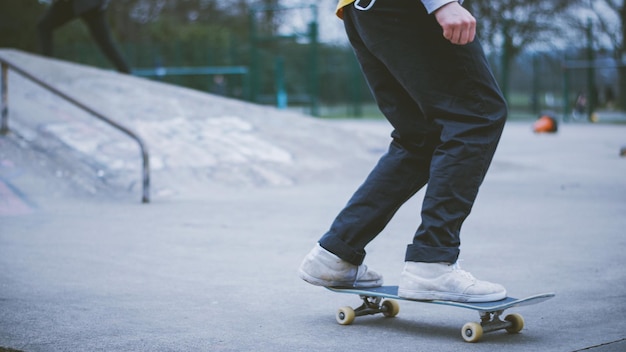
238 193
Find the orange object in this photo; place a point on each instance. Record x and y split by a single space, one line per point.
545 124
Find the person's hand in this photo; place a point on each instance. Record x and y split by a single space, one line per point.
459 26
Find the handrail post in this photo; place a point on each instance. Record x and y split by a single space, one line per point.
4 105
146 173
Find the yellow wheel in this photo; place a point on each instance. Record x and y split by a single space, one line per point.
345 315
472 332
517 323
391 308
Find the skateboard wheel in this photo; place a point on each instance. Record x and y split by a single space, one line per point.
390 308
472 332
517 323
345 315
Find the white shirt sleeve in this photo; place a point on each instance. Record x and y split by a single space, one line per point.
432 5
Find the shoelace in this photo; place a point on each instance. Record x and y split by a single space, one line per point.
457 267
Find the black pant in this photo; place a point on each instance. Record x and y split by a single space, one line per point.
61 12
447 113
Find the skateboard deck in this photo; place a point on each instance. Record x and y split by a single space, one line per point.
383 300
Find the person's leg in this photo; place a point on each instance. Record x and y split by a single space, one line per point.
57 14
99 29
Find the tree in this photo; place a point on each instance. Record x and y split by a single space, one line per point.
18 24
511 26
604 23
609 17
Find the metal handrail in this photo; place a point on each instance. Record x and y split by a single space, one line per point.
4 125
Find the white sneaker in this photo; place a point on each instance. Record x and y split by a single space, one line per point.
322 268
441 281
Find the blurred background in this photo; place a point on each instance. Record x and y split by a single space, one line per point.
566 56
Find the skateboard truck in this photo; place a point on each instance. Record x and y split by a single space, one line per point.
370 306
490 321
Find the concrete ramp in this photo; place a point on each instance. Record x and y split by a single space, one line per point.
196 141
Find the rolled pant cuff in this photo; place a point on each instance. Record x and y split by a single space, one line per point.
415 253
342 250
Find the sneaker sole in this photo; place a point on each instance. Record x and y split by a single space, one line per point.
450 296
326 283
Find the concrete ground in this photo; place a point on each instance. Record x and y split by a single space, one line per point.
240 193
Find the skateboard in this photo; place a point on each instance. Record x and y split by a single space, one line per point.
383 300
